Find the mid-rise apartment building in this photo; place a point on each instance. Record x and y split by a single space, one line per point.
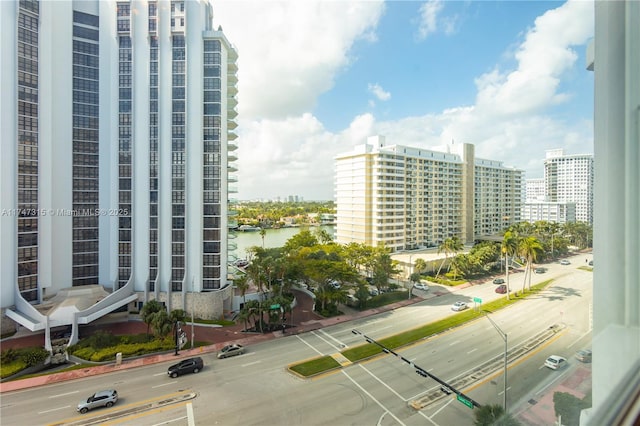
549 212
117 145
407 198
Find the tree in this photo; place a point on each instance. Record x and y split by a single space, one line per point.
449 246
493 415
148 311
509 247
529 248
242 283
263 232
420 265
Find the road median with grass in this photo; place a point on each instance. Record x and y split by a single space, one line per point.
365 351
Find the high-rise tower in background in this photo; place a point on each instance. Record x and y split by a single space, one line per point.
408 198
118 123
569 178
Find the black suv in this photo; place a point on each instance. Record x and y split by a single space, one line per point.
189 365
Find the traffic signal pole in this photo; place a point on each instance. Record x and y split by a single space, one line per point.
445 387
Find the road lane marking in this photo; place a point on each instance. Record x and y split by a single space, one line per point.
384 384
170 421
159 374
164 384
63 394
455 342
326 341
373 398
54 409
308 344
342 345
472 350
251 363
442 408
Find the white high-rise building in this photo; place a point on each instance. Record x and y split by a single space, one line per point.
569 178
535 190
117 146
406 198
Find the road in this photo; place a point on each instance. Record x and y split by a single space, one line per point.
255 388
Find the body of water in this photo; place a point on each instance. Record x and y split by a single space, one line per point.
273 238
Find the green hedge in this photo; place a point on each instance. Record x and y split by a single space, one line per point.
127 349
16 360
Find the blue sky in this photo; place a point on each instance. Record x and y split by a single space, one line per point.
317 77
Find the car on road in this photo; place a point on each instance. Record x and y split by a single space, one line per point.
584 355
231 350
459 306
539 270
555 362
565 262
502 289
498 281
591 263
189 365
104 398
423 287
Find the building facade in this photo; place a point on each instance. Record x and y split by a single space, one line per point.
569 178
408 198
118 145
549 212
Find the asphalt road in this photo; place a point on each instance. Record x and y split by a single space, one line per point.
256 389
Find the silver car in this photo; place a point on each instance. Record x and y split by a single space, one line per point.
105 398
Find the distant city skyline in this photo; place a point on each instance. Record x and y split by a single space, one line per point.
318 78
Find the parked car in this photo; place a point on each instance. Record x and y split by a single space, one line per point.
539 270
498 281
231 350
105 398
335 284
352 301
373 291
459 306
555 362
565 262
422 287
189 365
502 289
583 355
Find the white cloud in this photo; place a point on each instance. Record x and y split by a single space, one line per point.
289 52
546 53
285 150
379 92
428 23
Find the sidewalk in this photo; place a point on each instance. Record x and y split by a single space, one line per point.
304 320
540 410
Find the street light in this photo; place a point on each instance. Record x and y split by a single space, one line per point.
504 337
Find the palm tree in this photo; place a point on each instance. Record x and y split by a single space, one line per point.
493 415
449 246
263 232
242 284
529 248
420 265
509 247
148 311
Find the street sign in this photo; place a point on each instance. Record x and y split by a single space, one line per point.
477 300
276 306
465 401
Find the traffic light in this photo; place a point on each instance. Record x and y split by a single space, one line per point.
445 390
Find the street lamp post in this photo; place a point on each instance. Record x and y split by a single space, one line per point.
410 276
504 337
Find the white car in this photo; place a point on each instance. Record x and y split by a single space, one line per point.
555 362
423 287
459 306
565 262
